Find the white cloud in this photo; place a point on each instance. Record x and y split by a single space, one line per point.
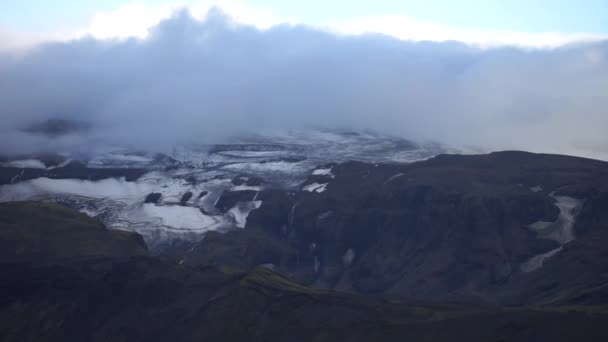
133 20
205 79
130 20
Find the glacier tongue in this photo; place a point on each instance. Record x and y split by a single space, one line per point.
119 203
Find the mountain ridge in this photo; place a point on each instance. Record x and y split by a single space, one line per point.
461 222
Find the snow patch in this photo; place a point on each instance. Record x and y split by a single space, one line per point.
323 172
246 187
348 257
537 261
242 210
250 154
562 230
180 217
540 225
89 212
118 159
128 158
537 188
315 187
279 166
158 224
393 178
62 164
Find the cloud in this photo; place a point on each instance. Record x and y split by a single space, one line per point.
210 78
135 19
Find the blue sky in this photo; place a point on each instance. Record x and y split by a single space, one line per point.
567 16
521 15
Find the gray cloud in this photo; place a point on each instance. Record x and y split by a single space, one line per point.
207 80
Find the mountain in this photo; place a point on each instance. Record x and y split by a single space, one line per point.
112 290
112 183
323 235
509 227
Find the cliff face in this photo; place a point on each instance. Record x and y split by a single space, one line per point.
483 226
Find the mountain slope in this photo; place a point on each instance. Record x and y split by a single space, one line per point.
498 227
46 232
108 297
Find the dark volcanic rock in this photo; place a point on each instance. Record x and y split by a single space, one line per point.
185 198
229 199
153 197
240 249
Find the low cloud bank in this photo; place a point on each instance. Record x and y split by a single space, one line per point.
206 80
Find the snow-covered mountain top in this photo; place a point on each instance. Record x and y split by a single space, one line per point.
193 178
